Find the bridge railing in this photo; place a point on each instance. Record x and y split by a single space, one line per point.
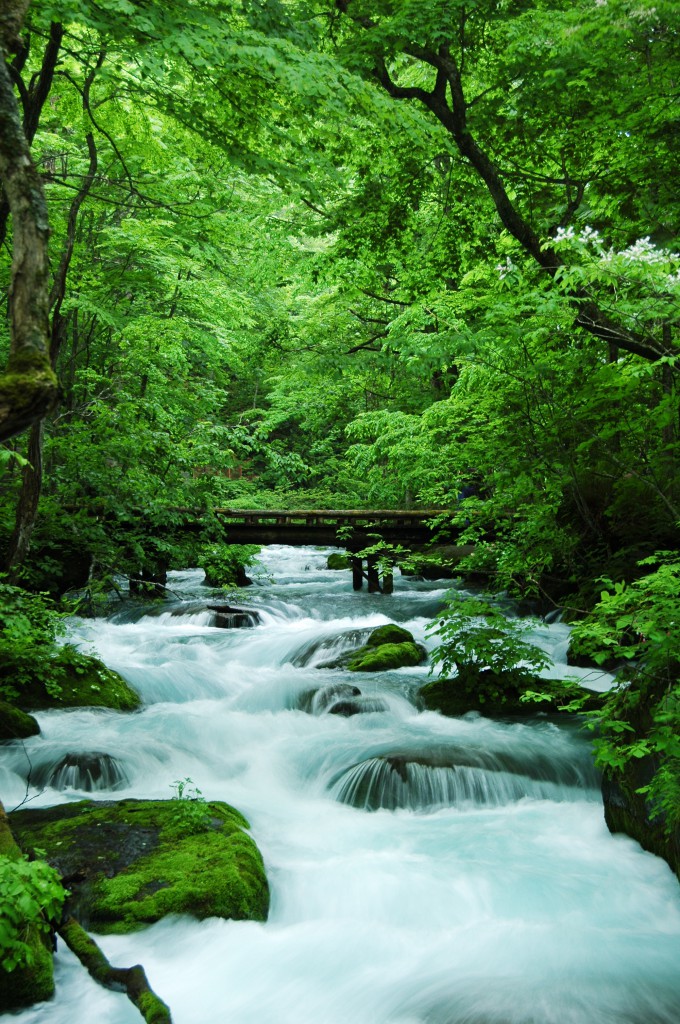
339 517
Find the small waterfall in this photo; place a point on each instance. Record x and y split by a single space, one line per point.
90 772
395 782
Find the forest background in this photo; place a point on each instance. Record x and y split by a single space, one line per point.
367 253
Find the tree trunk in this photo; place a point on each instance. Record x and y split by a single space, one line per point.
29 498
28 388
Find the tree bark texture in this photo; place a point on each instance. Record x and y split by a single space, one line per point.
28 388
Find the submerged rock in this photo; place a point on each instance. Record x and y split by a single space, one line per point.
357 706
420 780
231 617
328 695
89 771
336 643
131 863
223 615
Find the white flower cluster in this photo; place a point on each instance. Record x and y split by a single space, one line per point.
504 269
644 251
588 236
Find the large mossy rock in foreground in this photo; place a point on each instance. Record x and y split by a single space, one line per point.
75 680
497 694
131 863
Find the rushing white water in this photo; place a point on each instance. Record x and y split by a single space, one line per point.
423 870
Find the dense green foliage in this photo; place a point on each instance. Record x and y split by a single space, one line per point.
32 896
225 564
640 624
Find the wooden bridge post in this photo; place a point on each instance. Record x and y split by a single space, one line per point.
388 582
372 573
357 572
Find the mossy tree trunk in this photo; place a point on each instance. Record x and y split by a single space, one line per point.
28 388
131 980
32 478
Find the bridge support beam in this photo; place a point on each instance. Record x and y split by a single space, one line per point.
372 574
357 572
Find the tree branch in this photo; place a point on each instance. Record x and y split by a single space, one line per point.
131 980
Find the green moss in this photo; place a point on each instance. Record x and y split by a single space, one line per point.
386 656
336 560
389 634
153 1009
29 388
16 724
73 680
144 859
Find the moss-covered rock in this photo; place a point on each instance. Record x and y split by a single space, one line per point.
386 647
16 724
72 679
140 860
386 656
336 560
389 634
497 695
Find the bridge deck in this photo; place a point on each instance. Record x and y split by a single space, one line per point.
349 528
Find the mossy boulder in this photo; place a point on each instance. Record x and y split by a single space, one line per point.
72 680
386 656
387 647
497 694
336 560
16 724
389 634
131 863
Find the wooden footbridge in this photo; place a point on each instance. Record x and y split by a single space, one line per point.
351 529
